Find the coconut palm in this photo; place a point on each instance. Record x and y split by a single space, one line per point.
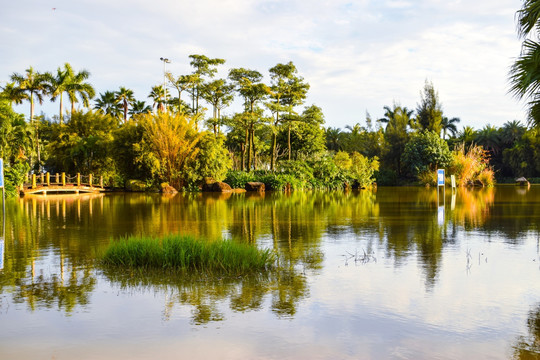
139 107
60 84
512 131
78 88
333 138
125 97
449 125
489 138
159 95
31 85
525 72
107 104
12 93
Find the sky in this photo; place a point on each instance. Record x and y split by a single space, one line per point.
358 56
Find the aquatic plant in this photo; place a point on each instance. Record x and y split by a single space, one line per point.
181 252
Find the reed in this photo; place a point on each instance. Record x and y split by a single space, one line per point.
180 252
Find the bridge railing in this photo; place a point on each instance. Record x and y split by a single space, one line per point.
47 179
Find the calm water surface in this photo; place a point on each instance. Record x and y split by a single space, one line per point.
364 275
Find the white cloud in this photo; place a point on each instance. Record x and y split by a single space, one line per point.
356 56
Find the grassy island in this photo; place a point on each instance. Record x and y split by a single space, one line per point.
180 252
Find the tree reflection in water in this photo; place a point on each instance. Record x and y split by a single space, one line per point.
64 234
528 347
206 295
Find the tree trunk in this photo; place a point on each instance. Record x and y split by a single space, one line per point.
289 139
249 140
273 150
61 109
254 150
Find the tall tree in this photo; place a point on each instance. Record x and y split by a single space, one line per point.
287 91
429 111
32 84
125 97
59 84
139 107
204 67
78 88
181 84
219 94
248 84
525 72
159 95
396 134
12 93
107 104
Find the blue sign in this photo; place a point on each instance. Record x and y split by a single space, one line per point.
440 177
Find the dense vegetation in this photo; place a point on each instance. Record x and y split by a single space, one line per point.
176 252
176 140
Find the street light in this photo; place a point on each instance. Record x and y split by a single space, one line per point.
165 61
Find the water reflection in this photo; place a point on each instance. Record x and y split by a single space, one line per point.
528 347
52 242
206 296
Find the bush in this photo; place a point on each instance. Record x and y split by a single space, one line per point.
426 151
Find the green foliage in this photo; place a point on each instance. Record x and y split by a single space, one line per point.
238 179
133 155
426 151
212 161
429 111
176 252
363 169
82 145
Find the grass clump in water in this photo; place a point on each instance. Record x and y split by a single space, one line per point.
180 252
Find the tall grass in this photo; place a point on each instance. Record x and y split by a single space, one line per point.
178 252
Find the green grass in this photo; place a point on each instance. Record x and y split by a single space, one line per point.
178 252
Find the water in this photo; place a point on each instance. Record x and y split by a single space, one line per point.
364 275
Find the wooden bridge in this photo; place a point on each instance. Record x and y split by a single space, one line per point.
60 183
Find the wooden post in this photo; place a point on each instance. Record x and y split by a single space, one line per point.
48 179
90 180
78 179
63 179
57 179
33 181
101 181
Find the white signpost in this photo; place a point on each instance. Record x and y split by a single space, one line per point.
440 209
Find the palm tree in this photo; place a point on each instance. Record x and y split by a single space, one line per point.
159 94
525 72
139 107
333 138
511 132
489 138
60 84
78 88
31 84
125 97
107 104
12 93
449 125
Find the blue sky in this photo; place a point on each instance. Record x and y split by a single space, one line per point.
358 56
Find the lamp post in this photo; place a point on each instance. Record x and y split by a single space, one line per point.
165 61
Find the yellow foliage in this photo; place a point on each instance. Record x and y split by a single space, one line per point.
174 139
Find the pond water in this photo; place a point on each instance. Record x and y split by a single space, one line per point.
391 273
